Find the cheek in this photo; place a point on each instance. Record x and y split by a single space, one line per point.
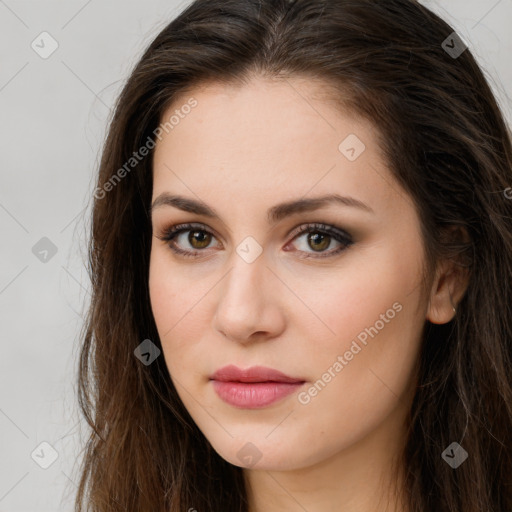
163 295
367 317
176 302
340 304
166 305
360 373
172 290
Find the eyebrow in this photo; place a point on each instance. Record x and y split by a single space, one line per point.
274 214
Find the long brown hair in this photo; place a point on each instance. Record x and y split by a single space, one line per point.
447 144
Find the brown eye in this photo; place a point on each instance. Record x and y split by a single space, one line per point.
199 239
318 241
319 238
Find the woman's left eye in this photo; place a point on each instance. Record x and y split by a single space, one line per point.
320 236
199 237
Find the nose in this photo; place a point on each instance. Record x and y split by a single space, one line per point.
249 304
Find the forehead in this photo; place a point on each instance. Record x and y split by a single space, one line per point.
275 139
300 107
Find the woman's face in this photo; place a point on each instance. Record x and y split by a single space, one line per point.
337 307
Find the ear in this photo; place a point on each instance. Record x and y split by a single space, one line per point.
450 283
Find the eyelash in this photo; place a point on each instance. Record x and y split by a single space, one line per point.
339 235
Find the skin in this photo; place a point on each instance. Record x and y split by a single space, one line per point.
242 150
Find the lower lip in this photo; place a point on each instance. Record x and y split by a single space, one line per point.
253 395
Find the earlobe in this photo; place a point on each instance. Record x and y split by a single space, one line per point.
441 309
447 291
452 278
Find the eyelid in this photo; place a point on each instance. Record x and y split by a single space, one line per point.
323 227
174 229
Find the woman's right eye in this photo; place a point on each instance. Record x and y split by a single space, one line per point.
198 237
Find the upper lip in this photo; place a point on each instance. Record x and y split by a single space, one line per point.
232 373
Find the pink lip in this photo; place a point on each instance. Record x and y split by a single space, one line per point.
253 388
232 373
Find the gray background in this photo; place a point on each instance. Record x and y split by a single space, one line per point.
53 121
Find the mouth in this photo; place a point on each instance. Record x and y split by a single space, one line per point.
253 374
253 388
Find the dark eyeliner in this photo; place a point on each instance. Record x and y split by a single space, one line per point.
170 233
338 234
